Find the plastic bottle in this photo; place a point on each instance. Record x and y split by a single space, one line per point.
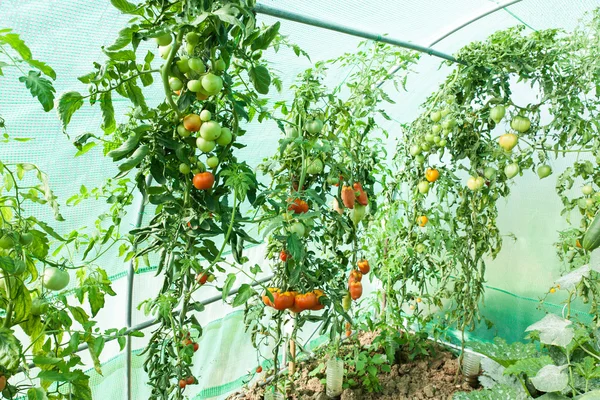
471 365
335 377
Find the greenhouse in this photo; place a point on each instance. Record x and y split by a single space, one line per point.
277 199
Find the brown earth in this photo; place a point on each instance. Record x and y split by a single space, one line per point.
435 377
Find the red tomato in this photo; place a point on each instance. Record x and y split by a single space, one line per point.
319 293
190 380
298 206
362 198
182 383
363 266
203 180
356 290
258 370
355 276
283 256
283 300
196 347
202 277
306 301
348 196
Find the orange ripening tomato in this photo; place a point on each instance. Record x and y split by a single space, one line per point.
356 290
578 244
432 175
306 301
348 196
190 380
341 180
298 206
258 370
201 278
422 220
192 122
348 333
319 293
283 256
177 92
355 276
364 267
283 300
362 198
203 180
266 298
182 383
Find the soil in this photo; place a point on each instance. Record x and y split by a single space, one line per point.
435 377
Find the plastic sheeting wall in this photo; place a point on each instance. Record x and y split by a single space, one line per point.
69 34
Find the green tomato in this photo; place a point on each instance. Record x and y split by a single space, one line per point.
358 213
445 112
192 38
205 115
429 138
436 129
175 83
39 306
314 126
298 228
196 65
582 203
415 149
508 141
435 116
194 85
210 130
544 171
420 159
26 238
420 248
520 124
164 40
182 65
6 242
437 139
497 113
291 132
489 173
190 48
212 84
212 162
333 179
589 203
315 166
425 146
220 65
423 187
225 137
448 123
587 190
182 131
443 143
55 279
205 146
184 168
511 170
163 51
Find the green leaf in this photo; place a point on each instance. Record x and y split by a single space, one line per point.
295 247
125 36
36 394
260 78
246 292
40 88
126 7
528 366
79 314
264 40
228 284
135 94
227 14
503 353
39 360
84 149
42 66
67 105
14 41
53 376
121 55
108 113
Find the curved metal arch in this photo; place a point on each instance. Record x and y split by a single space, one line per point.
473 19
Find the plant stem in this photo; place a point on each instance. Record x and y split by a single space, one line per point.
165 72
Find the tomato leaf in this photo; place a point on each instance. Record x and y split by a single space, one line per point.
228 284
134 93
263 41
246 292
126 7
294 247
68 103
121 55
125 36
18 45
84 149
108 113
40 88
260 78
36 393
42 66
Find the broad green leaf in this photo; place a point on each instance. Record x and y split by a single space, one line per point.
263 41
553 330
125 36
135 94
126 7
551 378
40 88
42 66
121 55
36 393
108 113
80 389
68 103
528 366
260 78
79 314
503 353
53 376
246 292
85 148
228 284
14 41
46 360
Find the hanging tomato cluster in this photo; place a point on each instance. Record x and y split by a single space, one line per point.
293 301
